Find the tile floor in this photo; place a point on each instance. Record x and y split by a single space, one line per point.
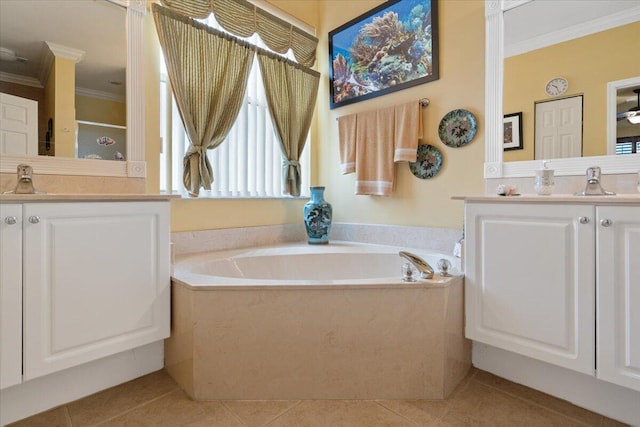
481 399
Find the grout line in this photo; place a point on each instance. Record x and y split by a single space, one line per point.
68 416
398 413
534 403
233 414
299 402
135 407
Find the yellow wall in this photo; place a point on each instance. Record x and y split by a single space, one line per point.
99 110
64 123
588 63
415 202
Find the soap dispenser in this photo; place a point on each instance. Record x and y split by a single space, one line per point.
544 183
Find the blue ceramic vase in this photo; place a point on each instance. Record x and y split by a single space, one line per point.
317 217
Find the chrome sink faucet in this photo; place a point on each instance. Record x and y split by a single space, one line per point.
593 187
426 271
25 181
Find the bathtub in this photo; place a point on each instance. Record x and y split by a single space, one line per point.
300 264
300 321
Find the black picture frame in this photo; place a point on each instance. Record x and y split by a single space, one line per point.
512 132
379 53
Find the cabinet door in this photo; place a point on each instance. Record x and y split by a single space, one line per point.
530 280
96 281
618 287
10 295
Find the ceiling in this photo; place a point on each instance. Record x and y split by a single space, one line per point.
97 27
627 95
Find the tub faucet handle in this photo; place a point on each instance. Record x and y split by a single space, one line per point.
444 266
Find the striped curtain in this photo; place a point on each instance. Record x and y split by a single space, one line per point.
208 72
291 92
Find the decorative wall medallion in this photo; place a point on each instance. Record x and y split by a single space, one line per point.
457 128
429 162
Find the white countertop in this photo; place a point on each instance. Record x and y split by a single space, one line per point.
619 199
58 197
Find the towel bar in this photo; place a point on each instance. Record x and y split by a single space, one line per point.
424 103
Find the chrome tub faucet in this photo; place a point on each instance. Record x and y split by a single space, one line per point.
426 271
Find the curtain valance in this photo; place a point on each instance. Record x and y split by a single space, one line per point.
244 19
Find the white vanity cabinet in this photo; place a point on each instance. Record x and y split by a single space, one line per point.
94 282
618 295
10 295
529 280
539 276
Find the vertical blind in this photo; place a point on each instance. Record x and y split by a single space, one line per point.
628 145
248 163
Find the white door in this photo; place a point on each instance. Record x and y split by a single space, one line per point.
618 287
558 128
10 294
96 281
529 281
18 126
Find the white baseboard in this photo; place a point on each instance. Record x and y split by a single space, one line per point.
62 387
588 392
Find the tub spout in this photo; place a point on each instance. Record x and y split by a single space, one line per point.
426 271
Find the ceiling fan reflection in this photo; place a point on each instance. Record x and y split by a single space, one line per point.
633 115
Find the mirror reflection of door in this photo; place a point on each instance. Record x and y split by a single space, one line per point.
18 126
558 128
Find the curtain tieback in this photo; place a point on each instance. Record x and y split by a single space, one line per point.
196 149
292 164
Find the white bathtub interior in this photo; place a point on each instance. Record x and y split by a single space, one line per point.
300 263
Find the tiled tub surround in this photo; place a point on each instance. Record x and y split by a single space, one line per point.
401 341
317 342
437 239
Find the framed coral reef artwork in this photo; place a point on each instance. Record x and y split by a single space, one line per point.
389 48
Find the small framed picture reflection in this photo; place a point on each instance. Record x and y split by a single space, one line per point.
512 132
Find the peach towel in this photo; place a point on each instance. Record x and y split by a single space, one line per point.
347 142
370 143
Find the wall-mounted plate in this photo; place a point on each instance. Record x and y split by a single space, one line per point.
457 128
429 162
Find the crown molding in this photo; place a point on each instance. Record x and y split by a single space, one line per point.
92 93
580 30
20 80
60 51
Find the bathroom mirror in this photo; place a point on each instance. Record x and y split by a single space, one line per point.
559 21
103 74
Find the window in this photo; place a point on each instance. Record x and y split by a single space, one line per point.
248 163
628 145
